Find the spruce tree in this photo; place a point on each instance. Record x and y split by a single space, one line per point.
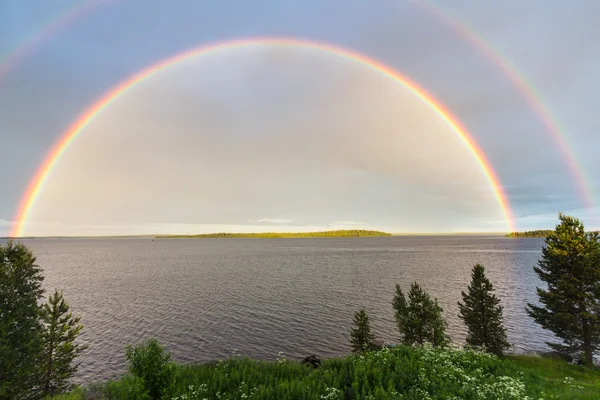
60 349
419 320
20 327
482 313
570 304
361 337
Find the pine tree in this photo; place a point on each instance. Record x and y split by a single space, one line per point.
570 305
482 313
419 320
20 327
361 337
60 349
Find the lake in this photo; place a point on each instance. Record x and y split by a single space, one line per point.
204 298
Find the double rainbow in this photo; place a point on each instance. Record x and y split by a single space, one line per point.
525 88
41 177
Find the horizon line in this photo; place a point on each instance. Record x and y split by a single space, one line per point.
163 235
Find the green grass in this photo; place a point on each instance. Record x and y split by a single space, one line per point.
553 374
399 373
273 235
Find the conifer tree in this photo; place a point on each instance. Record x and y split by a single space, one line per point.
20 327
361 337
60 349
419 320
570 304
482 313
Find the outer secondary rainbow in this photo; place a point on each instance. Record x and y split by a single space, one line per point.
41 177
527 90
12 59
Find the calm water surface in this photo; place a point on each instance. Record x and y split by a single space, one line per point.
204 298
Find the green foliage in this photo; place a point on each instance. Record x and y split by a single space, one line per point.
482 313
570 306
60 349
361 337
273 235
20 327
399 373
154 372
419 320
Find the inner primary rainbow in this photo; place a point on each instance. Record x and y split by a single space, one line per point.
44 171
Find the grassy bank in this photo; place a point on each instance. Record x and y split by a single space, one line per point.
273 235
399 373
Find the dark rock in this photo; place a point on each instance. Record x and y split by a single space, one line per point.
312 361
378 344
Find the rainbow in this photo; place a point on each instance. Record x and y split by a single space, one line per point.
12 59
37 183
525 88
502 63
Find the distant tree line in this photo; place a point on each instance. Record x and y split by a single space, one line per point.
540 233
270 235
569 306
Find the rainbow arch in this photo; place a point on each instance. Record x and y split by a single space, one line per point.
44 171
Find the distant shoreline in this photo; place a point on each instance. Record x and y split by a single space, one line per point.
282 235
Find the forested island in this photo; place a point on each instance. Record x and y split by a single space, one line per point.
540 233
275 235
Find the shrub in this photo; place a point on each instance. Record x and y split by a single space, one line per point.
155 373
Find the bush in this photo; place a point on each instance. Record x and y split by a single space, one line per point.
153 370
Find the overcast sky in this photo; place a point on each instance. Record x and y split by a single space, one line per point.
271 138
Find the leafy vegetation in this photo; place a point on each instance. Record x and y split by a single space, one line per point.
274 235
391 373
152 370
482 313
570 306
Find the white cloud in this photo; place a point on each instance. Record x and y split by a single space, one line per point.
275 220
